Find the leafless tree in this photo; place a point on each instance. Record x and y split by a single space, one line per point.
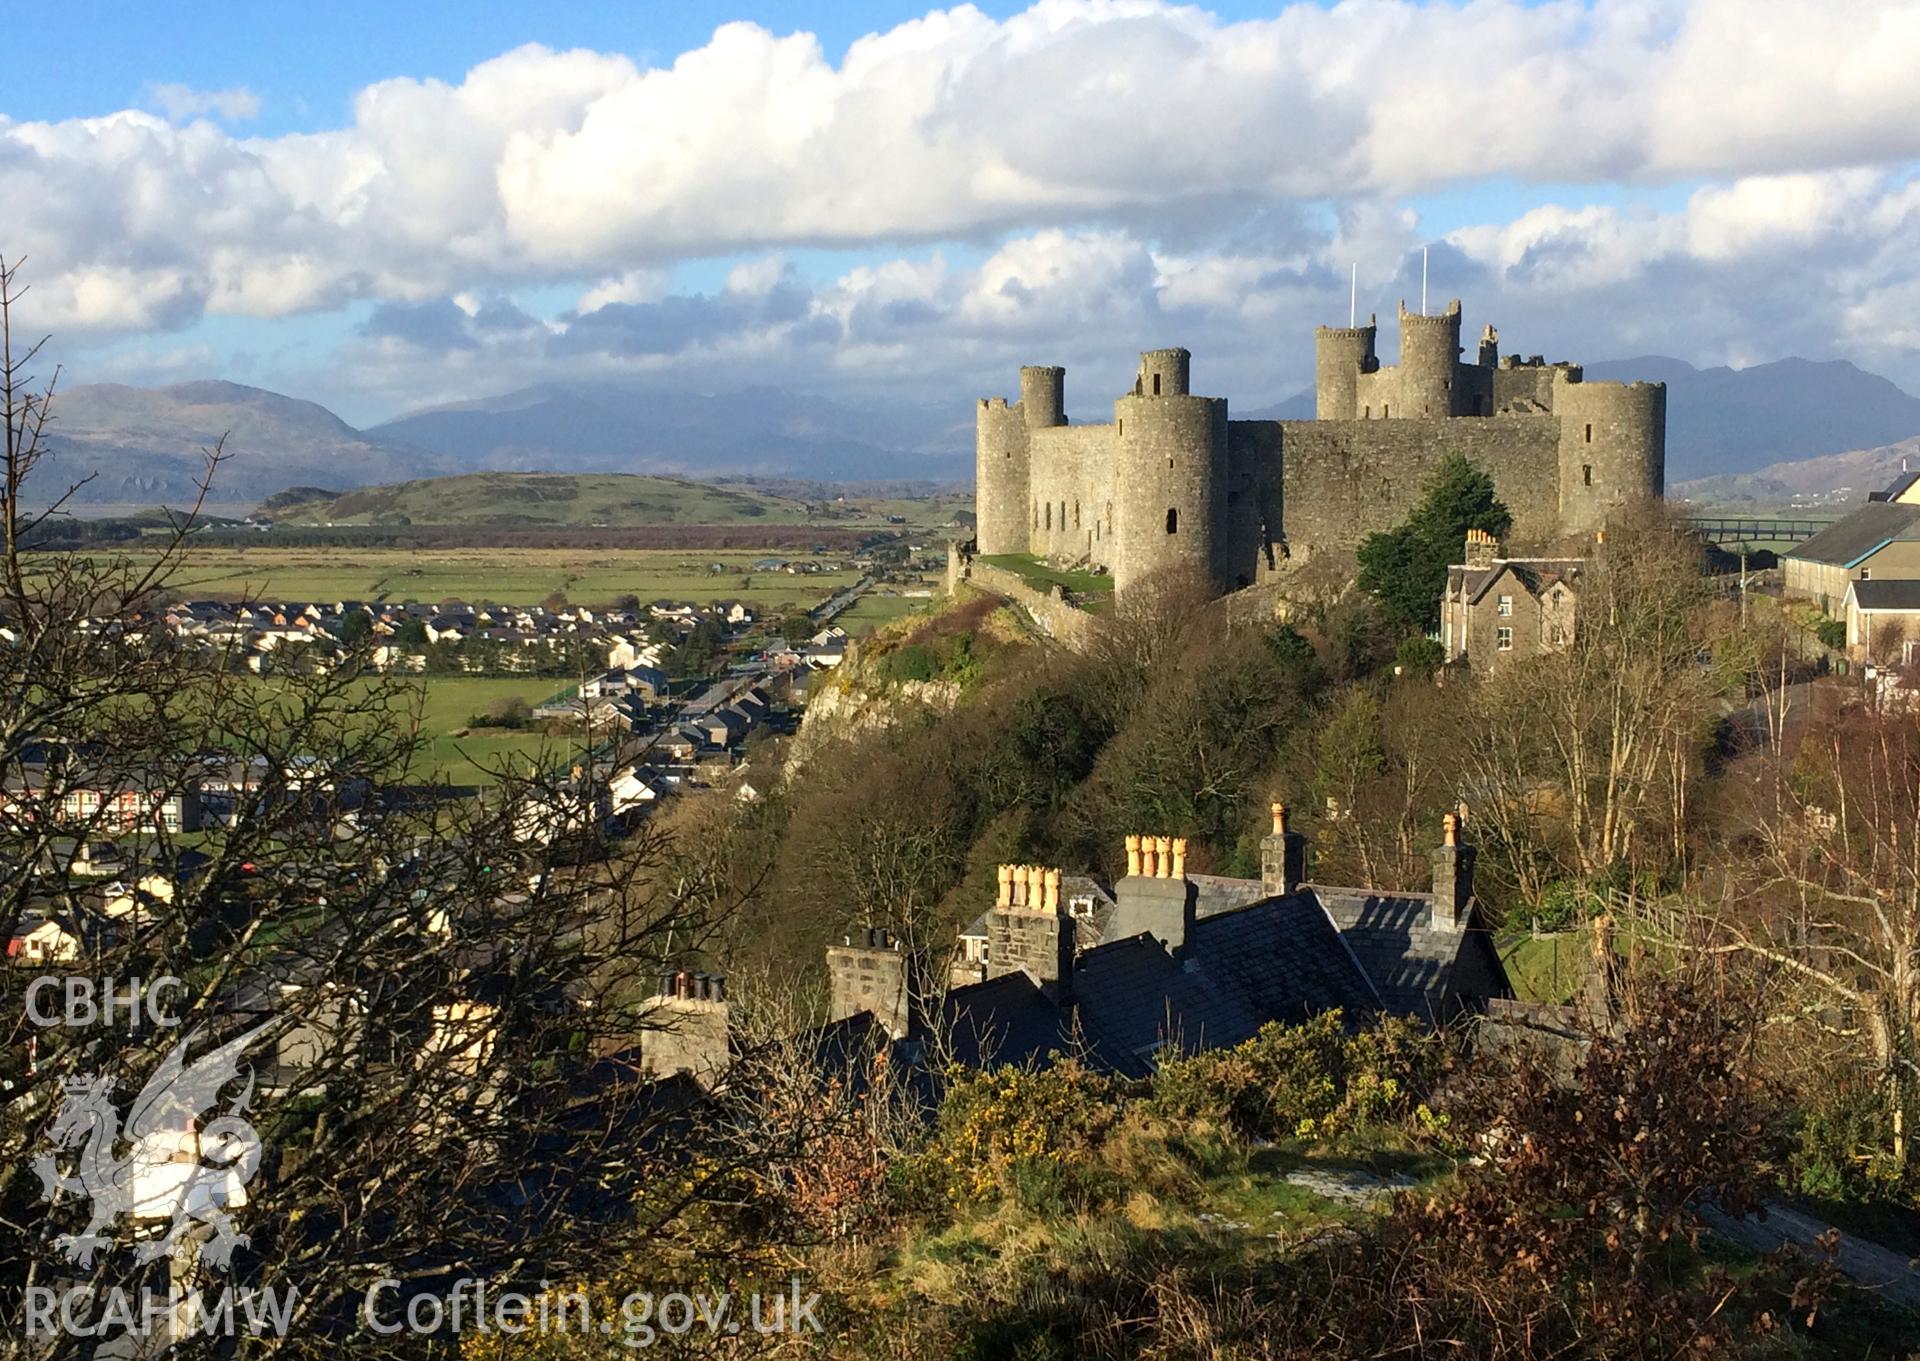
441 1023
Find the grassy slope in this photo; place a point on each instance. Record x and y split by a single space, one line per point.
553 499
1043 575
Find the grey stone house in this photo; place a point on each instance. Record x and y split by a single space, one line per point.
1497 611
1180 962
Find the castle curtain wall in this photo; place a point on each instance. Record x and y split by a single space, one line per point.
1342 480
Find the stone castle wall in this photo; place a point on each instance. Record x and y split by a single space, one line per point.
1342 480
1054 616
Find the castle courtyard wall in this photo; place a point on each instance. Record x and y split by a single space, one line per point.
1072 503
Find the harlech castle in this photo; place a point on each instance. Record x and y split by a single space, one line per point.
1174 483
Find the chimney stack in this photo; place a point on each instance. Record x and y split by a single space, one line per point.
1156 898
1283 856
1029 932
1482 548
1452 878
870 971
687 1029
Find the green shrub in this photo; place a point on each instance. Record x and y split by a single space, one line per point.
1419 656
1016 1133
1312 1080
1843 1147
1831 633
911 662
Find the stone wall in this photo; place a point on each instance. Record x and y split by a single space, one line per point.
1342 480
1070 514
1054 616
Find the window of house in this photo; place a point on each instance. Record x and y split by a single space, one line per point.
1866 574
1557 635
1503 639
1504 607
1173 521
1586 474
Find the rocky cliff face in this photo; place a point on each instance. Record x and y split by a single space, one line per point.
851 704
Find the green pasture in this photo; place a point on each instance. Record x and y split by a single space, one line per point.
502 575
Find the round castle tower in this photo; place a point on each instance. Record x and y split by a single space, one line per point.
1002 461
1000 477
1613 446
1170 472
1340 355
1429 360
1043 395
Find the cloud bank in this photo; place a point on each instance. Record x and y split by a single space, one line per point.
1117 169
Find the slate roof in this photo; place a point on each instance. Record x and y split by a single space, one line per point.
1885 595
1004 1020
1393 937
1535 575
1846 541
1895 489
1249 957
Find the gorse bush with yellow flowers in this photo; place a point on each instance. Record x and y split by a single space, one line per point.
1015 1133
1315 1080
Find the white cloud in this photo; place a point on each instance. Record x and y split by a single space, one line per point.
182 102
635 285
545 166
1136 174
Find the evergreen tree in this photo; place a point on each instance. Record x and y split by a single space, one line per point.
1405 568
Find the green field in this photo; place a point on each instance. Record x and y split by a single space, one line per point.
873 609
448 702
502 575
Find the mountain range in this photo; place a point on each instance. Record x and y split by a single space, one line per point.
144 445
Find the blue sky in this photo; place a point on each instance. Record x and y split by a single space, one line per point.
382 206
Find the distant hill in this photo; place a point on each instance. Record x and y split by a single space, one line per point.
144 445
1728 421
1831 480
766 432
526 499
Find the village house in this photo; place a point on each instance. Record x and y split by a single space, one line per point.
1497 611
1883 621
1181 961
1879 542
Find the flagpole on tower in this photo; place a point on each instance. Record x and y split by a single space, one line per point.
1353 298
1423 281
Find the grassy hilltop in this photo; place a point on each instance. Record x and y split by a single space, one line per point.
545 499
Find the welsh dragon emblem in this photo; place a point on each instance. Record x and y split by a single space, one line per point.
161 1175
